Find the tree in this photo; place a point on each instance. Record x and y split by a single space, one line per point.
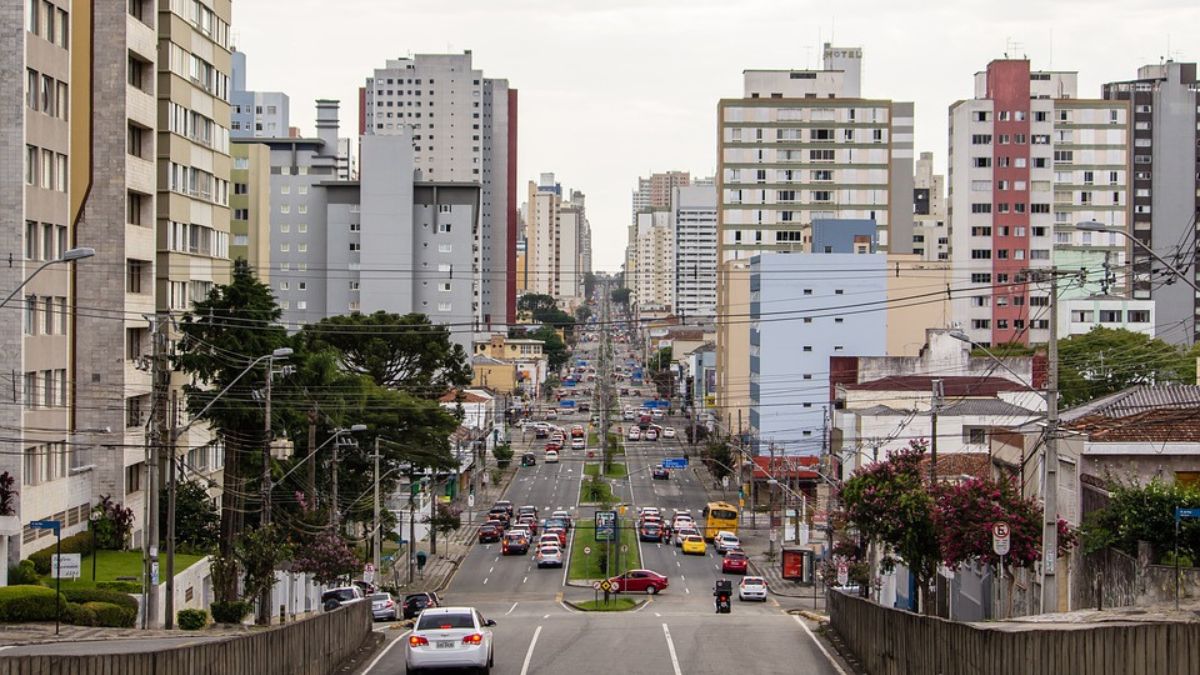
259 551
1106 360
535 303
583 313
402 352
890 505
1144 513
114 524
327 557
446 518
8 495
661 359
966 513
236 323
621 296
718 458
197 521
554 348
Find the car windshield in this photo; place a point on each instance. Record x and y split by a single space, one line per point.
341 595
445 621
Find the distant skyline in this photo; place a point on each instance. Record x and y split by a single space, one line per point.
615 90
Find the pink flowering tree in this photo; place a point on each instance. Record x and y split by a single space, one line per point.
966 513
889 503
328 558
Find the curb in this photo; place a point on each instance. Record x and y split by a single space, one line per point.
637 604
810 615
772 591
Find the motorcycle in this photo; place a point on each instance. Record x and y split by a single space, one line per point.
722 592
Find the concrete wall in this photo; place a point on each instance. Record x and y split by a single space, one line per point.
315 646
892 642
1110 578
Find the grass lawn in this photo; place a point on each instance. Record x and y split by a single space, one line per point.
603 492
615 470
113 564
584 566
614 604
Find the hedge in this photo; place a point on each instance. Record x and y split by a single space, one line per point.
82 595
28 603
230 612
191 619
109 615
76 543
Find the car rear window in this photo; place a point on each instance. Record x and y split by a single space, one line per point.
380 597
445 621
342 595
736 556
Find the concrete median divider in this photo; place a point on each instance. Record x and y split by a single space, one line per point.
314 646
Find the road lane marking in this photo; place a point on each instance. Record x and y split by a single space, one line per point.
671 648
490 569
657 614
485 581
529 652
524 579
836 665
510 609
685 589
380 655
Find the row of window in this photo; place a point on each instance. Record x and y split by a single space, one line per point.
44 241
197 127
181 294
198 239
1015 139
46 389
1111 316
1003 254
46 462
814 135
1007 231
200 72
45 168
1006 207
1003 324
46 315
204 19
45 94
48 21
197 183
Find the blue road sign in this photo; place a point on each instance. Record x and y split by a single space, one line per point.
1181 513
45 525
566 403
675 463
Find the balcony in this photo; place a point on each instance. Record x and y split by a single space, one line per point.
140 107
141 39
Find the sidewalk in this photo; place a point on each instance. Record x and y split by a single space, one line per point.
451 549
756 542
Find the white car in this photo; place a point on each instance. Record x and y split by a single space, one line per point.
548 540
682 532
752 588
682 521
649 511
549 555
635 434
552 457
450 637
628 416
657 414
652 434
726 541
578 444
669 432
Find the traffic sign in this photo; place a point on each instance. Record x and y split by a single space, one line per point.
587 550
606 585
1001 539
369 573
675 463
1181 513
471 501
595 585
45 525
843 574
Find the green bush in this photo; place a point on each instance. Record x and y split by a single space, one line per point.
23 574
122 586
27 603
83 595
230 612
78 615
112 616
191 619
76 543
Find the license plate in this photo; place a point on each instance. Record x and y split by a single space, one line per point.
445 644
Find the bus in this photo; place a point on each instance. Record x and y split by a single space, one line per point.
719 517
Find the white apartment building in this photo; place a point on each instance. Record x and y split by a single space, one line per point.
558 240
694 220
463 128
931 231
655 289
801 145
1028 159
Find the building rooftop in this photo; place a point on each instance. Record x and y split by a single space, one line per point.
986 407
484 360
1176 425
785 467
1138 399
454 396
958 385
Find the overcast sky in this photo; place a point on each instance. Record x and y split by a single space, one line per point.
614 89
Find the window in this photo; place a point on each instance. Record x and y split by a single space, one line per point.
133 477
982 162
31 317
136 74
443 307
974 435
135 277
1081 316
355 246
31 240
981 208
1139 316
981 254
981 278
133 208
1110 315
47 241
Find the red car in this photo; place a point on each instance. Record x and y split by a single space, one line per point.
489 533
735 562
558 532
554 445
640 581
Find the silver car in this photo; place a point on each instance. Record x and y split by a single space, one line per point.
450 637
384 607
549 555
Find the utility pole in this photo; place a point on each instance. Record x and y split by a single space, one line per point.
412 521
935 405
771 521
333 491
377 539
312 446
264 600
169 609
156 436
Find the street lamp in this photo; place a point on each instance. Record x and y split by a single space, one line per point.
1096 226
93 519
67 257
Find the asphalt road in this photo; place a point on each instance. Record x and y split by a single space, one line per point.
676 631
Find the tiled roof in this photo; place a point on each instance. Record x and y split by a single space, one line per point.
955 385
956 464
1138 399
784 467
452 396
1171 425
986 407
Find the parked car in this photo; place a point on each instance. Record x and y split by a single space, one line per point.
635 434
652 434
752 588
669 432
384 607
344 595
415 603
450 637
735 562
489 533
640 581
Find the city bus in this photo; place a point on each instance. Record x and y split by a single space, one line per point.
719 517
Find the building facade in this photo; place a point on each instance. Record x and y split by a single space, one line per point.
256 114
931 231
1165 110
694 220
250 207
654 288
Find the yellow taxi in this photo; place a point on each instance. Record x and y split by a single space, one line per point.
694 543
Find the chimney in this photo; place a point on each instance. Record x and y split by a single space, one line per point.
327 125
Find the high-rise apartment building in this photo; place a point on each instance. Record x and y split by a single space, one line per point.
463 129
256 114
1165 110
574 245
931 231
802 145
654 284
694 221
250 206
653 192
1027 160
542 224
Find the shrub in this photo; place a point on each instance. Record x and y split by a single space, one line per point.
28 603
76 543
191 619
114 525
230 612
23 574
78 615
84 595
112 616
